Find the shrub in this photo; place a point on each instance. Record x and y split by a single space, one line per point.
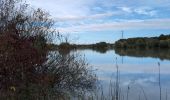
168 43
140 43
101 44
162 37
163 44
64 46
18 19
153 43
124 44
118 44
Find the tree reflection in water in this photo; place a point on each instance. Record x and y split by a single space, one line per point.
162 54
27 74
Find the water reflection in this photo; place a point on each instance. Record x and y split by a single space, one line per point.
61 75
138 77
163 54
28 75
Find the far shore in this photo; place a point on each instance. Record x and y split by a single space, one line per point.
161 42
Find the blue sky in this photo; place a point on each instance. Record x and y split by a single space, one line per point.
90 21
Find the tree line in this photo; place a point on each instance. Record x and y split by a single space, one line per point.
163 41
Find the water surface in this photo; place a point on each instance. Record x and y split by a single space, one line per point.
138 75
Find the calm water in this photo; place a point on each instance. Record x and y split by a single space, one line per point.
139 76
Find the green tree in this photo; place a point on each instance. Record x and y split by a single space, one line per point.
163 44
140 43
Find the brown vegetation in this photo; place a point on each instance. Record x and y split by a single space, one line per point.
27 69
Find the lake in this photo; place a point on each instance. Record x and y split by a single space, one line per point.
120 74
138 77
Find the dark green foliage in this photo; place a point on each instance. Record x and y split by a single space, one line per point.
163 41
153 43
162 54
163 44
140 43
163 37
168 43
64 46
101 45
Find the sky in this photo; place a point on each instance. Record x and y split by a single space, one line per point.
91 21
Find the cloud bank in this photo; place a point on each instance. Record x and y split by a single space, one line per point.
103 15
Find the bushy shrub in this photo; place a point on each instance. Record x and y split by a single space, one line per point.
121 44
118 44
152 43
27 70
168 43
162 37
64 46
124 44
163 44
101 44
19 19
140 43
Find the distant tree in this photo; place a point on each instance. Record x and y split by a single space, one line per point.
101 45
153 43
163 44
162 37
168 43
64 48
118 44
140 43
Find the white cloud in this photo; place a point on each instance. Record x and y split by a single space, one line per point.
134 68
99 15
136 3
126 9
60 8
124 25
139 10
95 16
145 11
